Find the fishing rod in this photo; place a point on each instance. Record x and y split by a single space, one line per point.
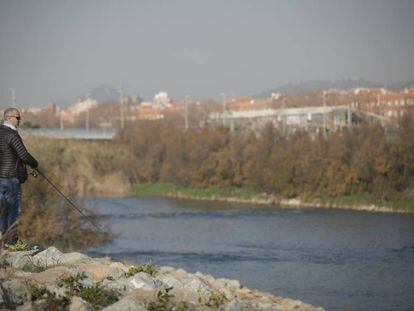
37 171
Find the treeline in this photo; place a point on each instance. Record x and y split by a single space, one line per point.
356 160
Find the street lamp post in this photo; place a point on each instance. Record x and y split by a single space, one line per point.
187 98
223 96
121 102
324 113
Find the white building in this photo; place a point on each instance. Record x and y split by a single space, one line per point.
83 105
162 99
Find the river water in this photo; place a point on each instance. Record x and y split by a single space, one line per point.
341 260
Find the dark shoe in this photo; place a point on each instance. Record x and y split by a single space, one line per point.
36 247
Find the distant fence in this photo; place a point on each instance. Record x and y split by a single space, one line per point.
78 134
288 119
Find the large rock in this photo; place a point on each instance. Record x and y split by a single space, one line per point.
143 280
187 287
170 281
165 269
53 275
53 257
18 259
206 277
226 283
97 269
1 297
135 301
20 274
234 305
38 305
15 292
78 304
263 301
194 286
140 280
116 270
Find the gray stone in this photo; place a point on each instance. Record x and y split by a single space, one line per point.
196 288
22 274
180 274
15 292
38 305
170 280
165 269
206 277
128 303
121 285
140 280
186 286
233 305
71 258
144 280
27 306
51 276
78 304
49 257
116 270
1 297
119 265
230 284
266 306
19 259
53 257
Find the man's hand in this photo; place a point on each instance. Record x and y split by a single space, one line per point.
34 173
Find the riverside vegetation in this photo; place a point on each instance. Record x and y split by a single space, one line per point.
353 166
52 280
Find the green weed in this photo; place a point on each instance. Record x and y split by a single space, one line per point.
216 300
97 295
54 303
17 247
163 301
148 267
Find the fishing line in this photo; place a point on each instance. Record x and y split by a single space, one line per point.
69 201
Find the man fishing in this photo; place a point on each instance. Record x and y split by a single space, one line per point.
13 160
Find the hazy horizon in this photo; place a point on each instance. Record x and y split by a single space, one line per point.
53 50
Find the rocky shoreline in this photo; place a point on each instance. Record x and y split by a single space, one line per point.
297 204
52 280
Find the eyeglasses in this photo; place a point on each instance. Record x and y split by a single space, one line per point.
18 118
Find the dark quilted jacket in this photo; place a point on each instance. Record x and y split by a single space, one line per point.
12 149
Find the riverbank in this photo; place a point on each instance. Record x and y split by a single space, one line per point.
354 202
52 280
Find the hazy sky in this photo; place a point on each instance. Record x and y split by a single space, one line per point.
53 50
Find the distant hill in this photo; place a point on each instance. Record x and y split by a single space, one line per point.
318 85
397 86
105 92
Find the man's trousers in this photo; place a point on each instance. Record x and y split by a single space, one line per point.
10 200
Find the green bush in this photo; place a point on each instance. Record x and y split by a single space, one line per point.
97 295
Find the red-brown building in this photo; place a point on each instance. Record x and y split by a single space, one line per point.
389 105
